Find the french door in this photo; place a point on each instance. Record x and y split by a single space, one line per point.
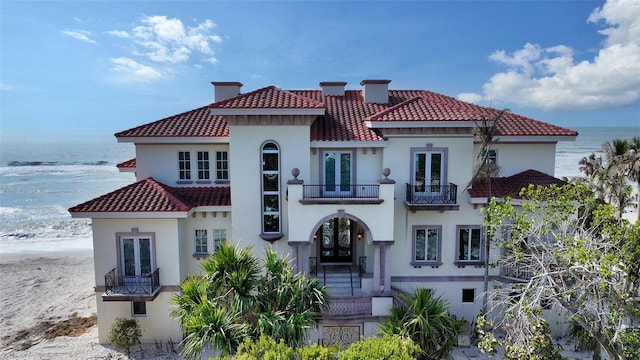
336 245
135 253
428 172
338 172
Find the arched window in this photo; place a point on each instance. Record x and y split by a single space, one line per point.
271 224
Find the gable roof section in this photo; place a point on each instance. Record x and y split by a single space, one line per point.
151 196
127 166
510 186
195 123
425 109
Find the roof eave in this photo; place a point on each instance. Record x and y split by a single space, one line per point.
348 143
175 139
535 138
130 215
419 124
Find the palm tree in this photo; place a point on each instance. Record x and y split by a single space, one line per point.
633 171
596 173
486 131
234 300
427 322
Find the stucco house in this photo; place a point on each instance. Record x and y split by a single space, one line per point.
366 189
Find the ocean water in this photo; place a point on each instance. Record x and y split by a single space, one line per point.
41 177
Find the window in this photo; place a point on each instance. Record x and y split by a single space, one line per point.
468 295
201 241
219 238
222 165
493 156
203 165
138 308
184 165
426 245
270 190
469 244
136 255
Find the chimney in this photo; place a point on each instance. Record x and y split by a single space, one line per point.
375 91
333 88
224 90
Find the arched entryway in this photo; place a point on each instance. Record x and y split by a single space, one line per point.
336 239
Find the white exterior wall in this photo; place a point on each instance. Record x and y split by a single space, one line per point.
160 161
221 220
158 323
514 158
245 165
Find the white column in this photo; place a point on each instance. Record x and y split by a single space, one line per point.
386 267
376 269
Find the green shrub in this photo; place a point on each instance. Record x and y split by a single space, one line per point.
631 344
124 334
382 347
266 348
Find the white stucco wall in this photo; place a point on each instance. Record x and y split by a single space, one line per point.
245 167
201 221
514 158
160 161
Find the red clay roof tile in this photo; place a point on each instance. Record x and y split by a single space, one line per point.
129 164
269 97
149 195
510 186
195 123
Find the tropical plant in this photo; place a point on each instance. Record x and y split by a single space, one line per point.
427 321
582 259
583 340
124 334
387 346
234 301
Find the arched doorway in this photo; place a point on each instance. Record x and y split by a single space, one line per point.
336 237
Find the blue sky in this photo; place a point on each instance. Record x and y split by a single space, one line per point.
91 67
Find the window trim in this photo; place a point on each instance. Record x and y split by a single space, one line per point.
433 263
480 261
429 148
206 242
352 167
134 233
184 175
219 170
204 166
270 235
133 309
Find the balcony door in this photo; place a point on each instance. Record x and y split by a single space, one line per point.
428 172
135 256
336 245
338 173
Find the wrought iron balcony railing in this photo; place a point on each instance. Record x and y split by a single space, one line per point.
516 272
432 194
146 284
341 191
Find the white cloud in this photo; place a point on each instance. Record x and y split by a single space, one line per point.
81 35
6 87
550 78
119 33
470 97
129 70
168 40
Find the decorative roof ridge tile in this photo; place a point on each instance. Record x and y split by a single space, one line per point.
167 191
229 103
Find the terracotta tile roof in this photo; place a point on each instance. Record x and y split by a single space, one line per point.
129 164
510 186
345 116
426 109
269 97
195 123
149 195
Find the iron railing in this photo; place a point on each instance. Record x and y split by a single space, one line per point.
432 194
516 272
341 191
145 284
362 265
349 306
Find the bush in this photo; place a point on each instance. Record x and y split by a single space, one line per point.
382 347
630 339
124 334
266 348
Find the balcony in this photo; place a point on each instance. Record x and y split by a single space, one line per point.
431 197
341 194
514 273
131 288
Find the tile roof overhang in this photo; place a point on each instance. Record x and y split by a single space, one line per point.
149 198
510 186
127 166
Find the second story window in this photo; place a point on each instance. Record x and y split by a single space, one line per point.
184 165
203 165
222 165
219 238
270 188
